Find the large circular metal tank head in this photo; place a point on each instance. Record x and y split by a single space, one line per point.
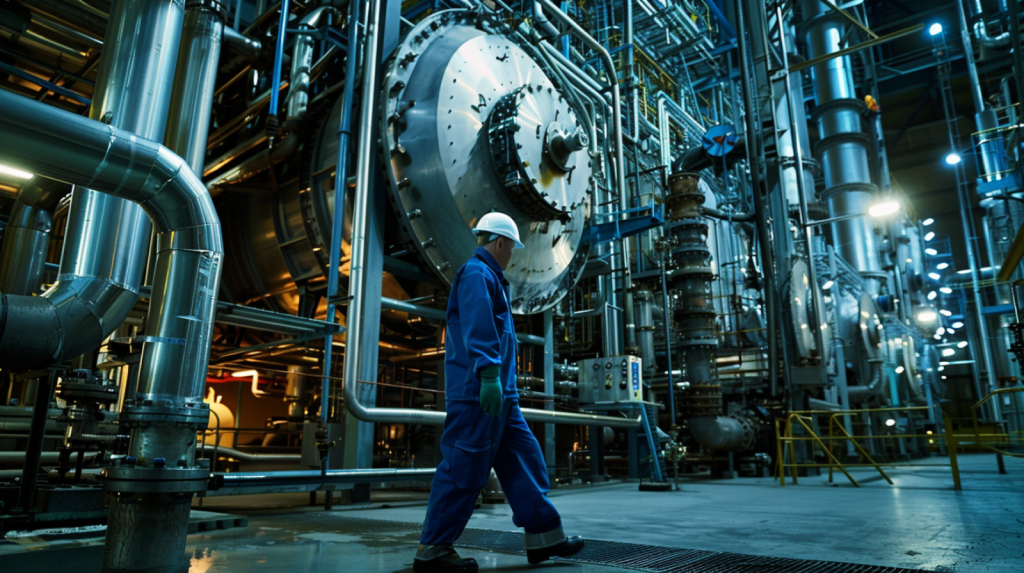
471 124
808 317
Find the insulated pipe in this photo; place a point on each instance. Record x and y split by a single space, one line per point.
844 145
61 145
302 62
188 120
981 28
965 36
147 521
27 237
240 44
107 237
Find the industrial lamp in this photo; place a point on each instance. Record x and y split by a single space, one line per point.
877 210
16 173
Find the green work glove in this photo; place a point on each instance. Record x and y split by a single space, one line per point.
490 391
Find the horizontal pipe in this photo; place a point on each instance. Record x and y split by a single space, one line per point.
223 451
240 482
19 457
60 145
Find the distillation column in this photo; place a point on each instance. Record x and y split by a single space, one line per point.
695 318
843 149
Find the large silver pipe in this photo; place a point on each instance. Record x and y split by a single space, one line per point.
240 44
844 145
107 237
302 62
63 146
27 237
148 515
188 120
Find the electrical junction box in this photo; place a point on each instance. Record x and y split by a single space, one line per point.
612 379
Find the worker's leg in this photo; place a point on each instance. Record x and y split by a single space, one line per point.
520 466
467 446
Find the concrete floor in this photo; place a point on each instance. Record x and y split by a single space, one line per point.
919 522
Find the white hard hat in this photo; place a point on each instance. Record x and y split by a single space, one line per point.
499 224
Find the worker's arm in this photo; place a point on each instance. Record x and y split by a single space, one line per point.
480 337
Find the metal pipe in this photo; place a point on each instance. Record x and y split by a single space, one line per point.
302 62
982 33
981 28
188 120
256 458
761 215
107 237
27 236
620 162
802 194
248 483
60 145
241 44
282 28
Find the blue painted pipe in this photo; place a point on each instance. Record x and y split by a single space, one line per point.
282 30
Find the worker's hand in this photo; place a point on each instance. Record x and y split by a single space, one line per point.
490 391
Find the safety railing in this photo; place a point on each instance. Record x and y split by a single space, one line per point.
836 432
1010 438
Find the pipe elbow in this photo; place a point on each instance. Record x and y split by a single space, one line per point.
30 332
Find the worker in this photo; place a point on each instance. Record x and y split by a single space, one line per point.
484 427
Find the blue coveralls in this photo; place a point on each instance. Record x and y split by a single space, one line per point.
481 334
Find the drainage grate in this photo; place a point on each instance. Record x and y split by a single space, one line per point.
670 559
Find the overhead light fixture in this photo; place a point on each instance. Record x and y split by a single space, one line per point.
937 337
899 370
961 344
946 290
945 312
827 285
890 422
929 236
931 252
926 316
941 331
941 368
16 173
948 352
934 276
942 266
882 209
935 29
927 222
932 295
958 324
953 158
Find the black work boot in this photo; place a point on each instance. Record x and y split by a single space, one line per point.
568 547
442 559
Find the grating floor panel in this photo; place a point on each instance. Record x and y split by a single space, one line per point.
670 559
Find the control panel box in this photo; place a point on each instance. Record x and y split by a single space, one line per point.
611 379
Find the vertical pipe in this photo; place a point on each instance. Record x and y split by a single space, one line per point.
753 140
549 390
188 120
668 346
36 433
808 231
972 70
340 179
282 30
